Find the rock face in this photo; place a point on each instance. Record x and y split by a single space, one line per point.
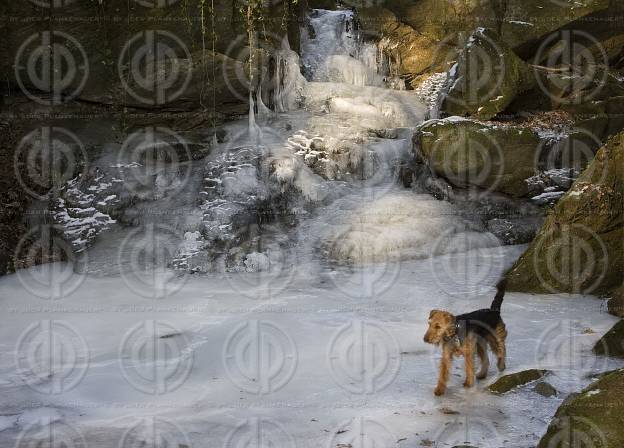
427 33
508 382
105 40
595 417
612 343
472 154
580 248
487 77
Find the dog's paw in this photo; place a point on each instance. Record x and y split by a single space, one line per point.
468 383
439 391
482 376
501 366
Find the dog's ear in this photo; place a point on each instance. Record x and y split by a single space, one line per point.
433 313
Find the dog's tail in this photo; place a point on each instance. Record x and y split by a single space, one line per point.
500 293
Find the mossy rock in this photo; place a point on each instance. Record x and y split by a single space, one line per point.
508 382
545 389
595 417
528 21
580 247
612 343
470 154
487 77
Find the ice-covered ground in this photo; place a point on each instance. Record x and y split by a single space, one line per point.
327 356
312 336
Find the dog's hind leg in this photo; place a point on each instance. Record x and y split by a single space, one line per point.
469 346
483 357
501 349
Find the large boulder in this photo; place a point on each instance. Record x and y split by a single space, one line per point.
594 417
471 154
580 248
612 343
487 77
525 22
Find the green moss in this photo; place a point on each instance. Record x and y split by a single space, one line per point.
580 248
595 417
472 154
508 382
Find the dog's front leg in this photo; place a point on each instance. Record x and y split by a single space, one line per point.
468 350
445 369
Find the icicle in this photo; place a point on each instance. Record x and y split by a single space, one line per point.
263 111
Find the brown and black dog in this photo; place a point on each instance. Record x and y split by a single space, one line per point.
464 334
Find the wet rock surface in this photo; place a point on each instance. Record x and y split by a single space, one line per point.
506 383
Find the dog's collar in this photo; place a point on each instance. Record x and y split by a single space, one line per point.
460 332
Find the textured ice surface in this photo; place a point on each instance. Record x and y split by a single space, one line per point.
325 350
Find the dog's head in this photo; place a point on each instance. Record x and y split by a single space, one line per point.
441 327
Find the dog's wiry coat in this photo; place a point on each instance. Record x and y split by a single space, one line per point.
466 334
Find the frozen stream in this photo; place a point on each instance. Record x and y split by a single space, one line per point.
303 329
